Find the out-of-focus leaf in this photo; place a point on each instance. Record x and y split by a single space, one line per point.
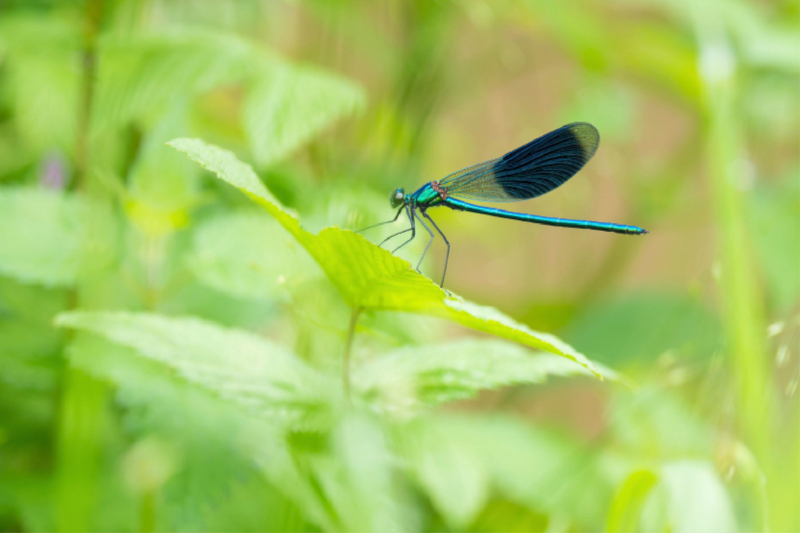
623 517
210 433
641 327
440 373
358 478
695 499
290 104
775 213
666 56
524 464
251 371
143 76
656 424
453 476
367 276
53 238
42 77
27 330
763 44
248 254
162 187
609 106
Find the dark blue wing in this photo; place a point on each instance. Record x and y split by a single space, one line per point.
529 171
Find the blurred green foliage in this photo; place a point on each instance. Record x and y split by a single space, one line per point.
177 355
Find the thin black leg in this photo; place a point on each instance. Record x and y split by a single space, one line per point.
429 242
413 230
382 223
394 235
447 257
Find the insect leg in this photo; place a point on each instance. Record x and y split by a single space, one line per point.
394 235
413 229
429 242
447 257
382 223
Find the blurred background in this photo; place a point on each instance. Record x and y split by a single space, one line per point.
336 104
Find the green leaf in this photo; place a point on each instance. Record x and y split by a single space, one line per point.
249 255
522 463
367 276
626 509
139 78
774 212
53 238
654 423
42 78
211 435
291 104
248 370
358 477
695 497
446 372
664 322
452 475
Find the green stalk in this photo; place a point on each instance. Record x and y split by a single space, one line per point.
81 424
83 400
741 295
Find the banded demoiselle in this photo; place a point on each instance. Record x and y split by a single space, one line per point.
527 172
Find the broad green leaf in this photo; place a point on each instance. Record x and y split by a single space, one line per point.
435 374
212 435
251 371
367 276
696 498
358 477
53 238
523 463
288 105
626 509
42 78
248 254
657 424
664 322
139 78
452 474
161 187
774 213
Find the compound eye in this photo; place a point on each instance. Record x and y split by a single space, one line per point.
397 198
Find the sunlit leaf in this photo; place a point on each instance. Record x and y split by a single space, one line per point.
207 432
367 276
623 517
357 477
42 78
53 238
251 371
695 498
440 373
524 464
774 213
290 104
143 76
664 322
659 424
453 476
247 254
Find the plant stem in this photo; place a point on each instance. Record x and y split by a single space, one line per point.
743 303
147 512
83 400
348 346
94 17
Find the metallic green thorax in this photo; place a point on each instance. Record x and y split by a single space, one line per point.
425 196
